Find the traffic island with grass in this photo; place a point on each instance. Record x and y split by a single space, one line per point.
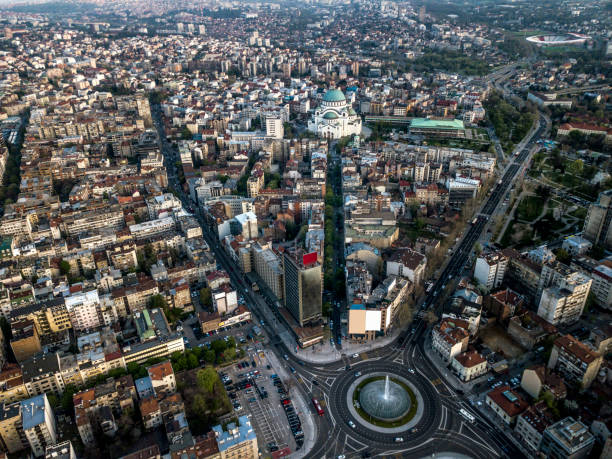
385 401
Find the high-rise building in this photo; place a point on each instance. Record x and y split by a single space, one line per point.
38 423
422 13
597 227
269 268
490 269
568 439
564 304
303 286
574 360
63 450
274 128
562 293
286 70
11 431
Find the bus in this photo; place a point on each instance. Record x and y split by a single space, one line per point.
317 406
463 412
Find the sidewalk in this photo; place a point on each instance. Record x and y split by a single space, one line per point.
324 352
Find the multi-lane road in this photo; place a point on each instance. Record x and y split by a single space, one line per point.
440 428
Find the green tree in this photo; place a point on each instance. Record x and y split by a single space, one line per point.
157 301
206 297
218 346
66 400
199 406
64 267
563 256
186 134
209 356
206 379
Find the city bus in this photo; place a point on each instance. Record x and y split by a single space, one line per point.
317 406
463 412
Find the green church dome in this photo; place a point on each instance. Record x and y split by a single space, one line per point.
334 95
330 116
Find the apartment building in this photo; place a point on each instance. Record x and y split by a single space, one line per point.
575 360
42 374
269 268
490 269
568 439
531 423
450 337
38 423
153 348
407 263
506 403
25 342
152 228
597 227
11 430
162 378
83 310
63 450
602 286
563 302
469 365
12 388
238 440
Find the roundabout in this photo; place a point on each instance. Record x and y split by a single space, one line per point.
385 402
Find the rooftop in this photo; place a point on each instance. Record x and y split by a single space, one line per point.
334 95
33 411
427 123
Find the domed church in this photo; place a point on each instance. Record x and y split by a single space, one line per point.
335 118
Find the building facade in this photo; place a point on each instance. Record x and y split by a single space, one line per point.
335 118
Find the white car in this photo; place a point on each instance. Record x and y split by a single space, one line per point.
410 370
355 356
398 439
352 424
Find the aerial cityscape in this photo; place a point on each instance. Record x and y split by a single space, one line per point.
342 229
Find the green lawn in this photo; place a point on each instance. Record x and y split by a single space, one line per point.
529 208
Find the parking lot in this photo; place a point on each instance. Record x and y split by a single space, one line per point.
243 333
255 391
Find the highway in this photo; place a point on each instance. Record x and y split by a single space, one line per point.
440 429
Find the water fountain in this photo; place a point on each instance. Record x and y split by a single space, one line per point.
384 399
386 388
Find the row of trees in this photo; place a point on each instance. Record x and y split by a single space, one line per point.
9 186
511 125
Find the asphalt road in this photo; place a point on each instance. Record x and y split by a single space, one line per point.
441 429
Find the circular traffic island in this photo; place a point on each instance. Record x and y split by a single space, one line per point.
385 404
384 401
